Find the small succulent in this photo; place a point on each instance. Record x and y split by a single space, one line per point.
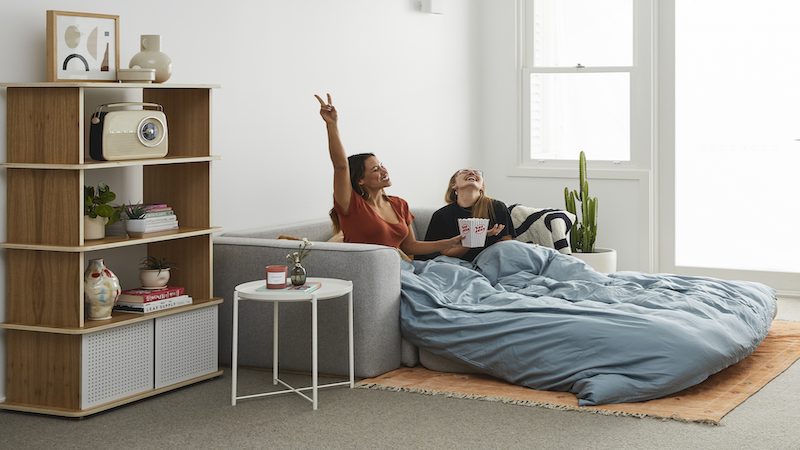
134 211
153 263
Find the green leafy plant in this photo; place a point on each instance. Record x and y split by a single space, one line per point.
297 257
584 233
134 211
153 263
97 203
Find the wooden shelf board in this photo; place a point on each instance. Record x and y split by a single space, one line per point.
91 164
100 408
117 319
116 241
110 85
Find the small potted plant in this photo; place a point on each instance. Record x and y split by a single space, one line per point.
155 273
98 212
135 221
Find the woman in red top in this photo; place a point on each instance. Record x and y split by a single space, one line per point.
361 208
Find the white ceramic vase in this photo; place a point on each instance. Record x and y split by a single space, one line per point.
135 227
153 279
603 260
94 228
151 57
101 290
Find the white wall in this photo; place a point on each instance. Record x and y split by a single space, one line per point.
405 84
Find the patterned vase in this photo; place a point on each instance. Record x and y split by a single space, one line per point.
101 290
298 275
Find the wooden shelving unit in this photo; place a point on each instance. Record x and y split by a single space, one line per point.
50 345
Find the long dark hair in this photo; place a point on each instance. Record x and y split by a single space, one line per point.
483 207
358 168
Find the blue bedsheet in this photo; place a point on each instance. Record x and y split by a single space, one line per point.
537 318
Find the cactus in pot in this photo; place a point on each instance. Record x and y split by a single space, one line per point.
584 233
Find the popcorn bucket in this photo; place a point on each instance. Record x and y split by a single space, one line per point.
474 231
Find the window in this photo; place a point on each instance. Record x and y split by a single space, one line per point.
579 78
736 150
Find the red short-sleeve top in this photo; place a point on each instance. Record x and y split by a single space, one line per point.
361 224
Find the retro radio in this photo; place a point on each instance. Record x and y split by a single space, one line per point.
128 134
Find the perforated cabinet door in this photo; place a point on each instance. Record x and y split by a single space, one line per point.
116 363
186 346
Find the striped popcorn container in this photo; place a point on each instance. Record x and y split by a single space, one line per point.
474 231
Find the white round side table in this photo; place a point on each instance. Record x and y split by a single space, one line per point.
330 288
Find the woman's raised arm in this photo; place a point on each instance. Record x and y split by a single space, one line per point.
341 169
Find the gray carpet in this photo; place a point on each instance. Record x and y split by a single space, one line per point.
201 417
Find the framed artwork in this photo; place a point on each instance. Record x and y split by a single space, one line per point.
82 46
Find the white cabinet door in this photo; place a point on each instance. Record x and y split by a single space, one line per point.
186 346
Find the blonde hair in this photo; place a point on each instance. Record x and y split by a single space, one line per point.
483 208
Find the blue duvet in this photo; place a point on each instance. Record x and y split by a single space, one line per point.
541 319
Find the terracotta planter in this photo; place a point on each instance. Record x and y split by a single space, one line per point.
153 279
603 260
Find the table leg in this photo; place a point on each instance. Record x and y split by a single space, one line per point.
235 349
350 337
275 343
314 349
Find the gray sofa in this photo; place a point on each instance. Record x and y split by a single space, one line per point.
240 257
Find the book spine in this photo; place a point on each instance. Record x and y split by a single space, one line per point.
140 305
149 228
164 215
134 297
160 220
149 307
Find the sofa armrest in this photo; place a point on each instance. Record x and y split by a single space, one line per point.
375 273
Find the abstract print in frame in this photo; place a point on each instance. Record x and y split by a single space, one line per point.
82 46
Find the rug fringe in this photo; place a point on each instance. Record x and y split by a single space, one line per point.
512 401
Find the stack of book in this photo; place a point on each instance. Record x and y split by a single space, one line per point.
160 217
143 301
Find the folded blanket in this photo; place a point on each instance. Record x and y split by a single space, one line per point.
535 317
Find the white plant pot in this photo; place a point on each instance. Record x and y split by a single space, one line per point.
153 279
135 227
94 228
603 260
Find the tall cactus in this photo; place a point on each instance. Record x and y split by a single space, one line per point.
583 233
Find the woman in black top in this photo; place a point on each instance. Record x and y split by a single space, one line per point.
466 198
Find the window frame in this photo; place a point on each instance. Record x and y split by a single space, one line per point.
642 88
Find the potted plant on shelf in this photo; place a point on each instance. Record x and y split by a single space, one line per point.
155 273
98 212
583 235
135 221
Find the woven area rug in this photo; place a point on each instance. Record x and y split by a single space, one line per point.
707 402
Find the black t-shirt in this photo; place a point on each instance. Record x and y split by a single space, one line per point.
444 225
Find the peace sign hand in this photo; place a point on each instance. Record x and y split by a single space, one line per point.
327 110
